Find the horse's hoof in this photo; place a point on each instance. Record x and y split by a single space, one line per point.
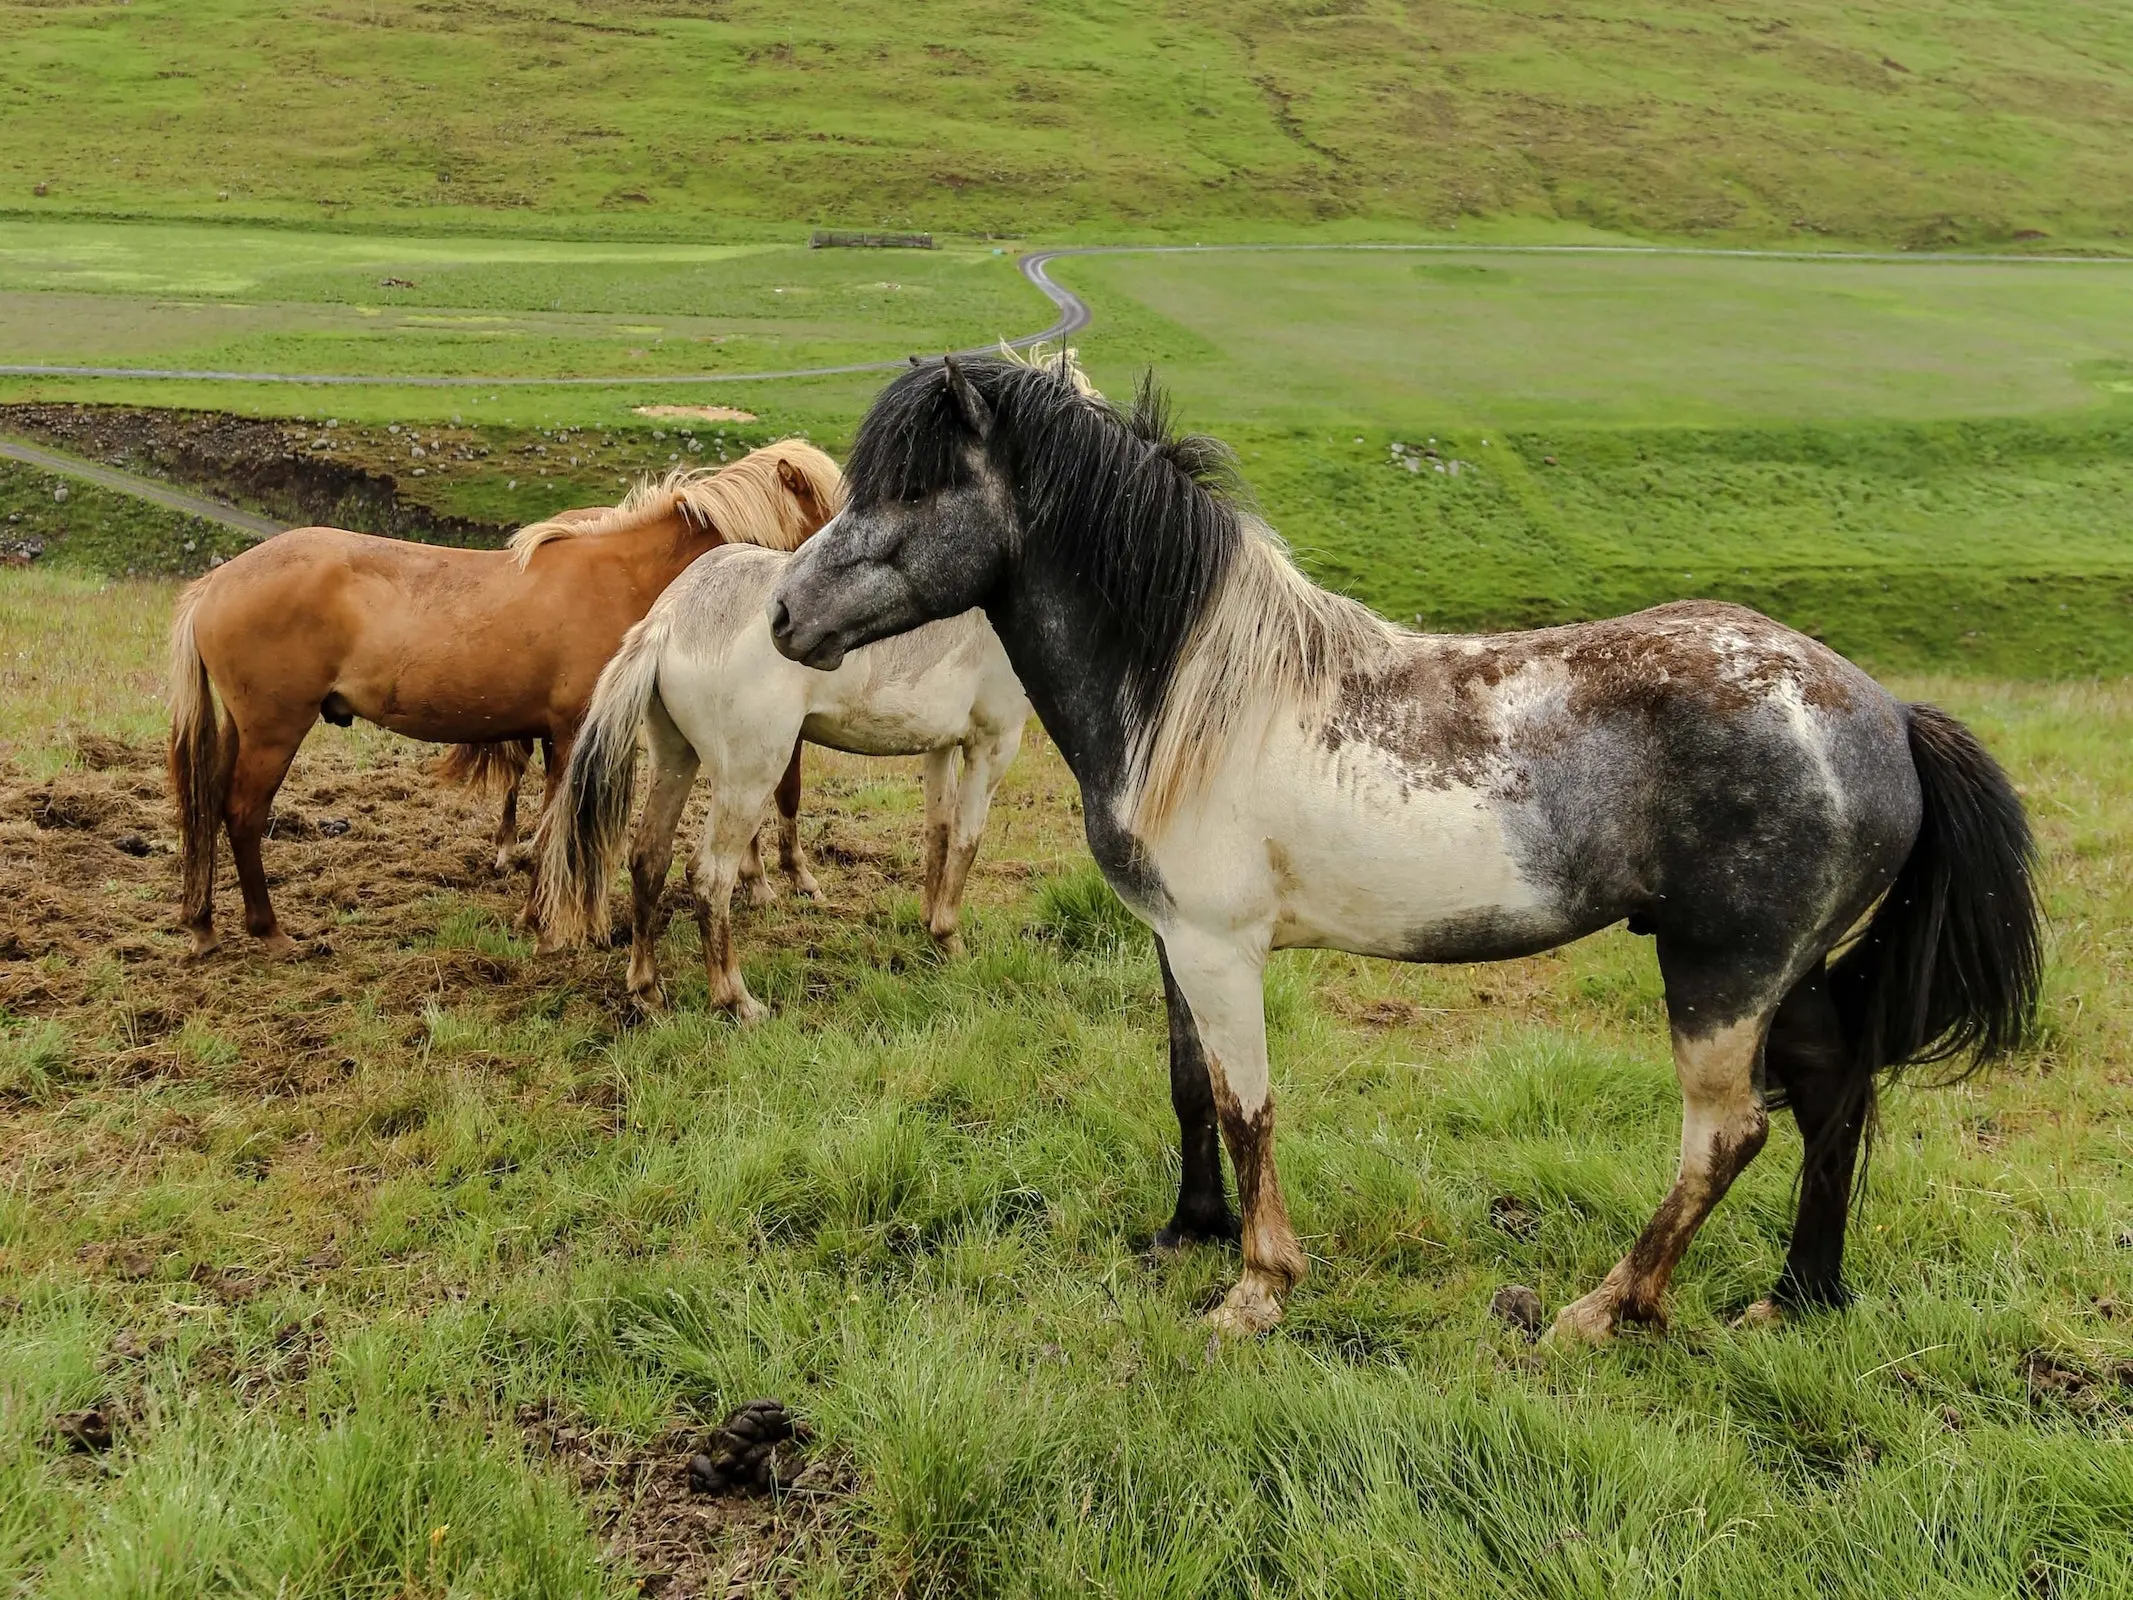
278 946
1765 1313
1590 1321
1246 1312
204 945
748 1011
761 894
950 945
1176 1237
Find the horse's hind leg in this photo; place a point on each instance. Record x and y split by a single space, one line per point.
741 781
1810 1057
263 757
1717 1047
753 879
673 764
555 760
726 834
790 861
506 839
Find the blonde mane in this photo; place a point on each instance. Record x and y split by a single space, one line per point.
745 502
1270 644
1063 362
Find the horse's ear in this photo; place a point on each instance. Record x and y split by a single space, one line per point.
795 482
967 399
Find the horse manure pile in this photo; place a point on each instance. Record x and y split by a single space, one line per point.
688 1542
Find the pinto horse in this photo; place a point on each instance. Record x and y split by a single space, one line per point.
1265 765
475 648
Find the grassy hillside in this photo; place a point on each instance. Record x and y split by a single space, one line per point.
413 1269
1904 122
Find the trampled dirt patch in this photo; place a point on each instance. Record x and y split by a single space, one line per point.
387 876
700 413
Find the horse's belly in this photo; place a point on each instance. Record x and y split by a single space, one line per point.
890 719
1361 857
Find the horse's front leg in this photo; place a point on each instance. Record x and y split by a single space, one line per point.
985 762
1222 980
937 778
1203 1213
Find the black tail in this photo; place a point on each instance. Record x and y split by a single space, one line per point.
1952 961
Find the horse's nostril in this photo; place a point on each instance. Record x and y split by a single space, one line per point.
780 618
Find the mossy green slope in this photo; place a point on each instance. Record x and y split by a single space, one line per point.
1902 121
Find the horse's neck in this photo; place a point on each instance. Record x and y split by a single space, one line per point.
657 552
1061 645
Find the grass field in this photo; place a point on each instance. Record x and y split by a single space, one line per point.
413 1270
278 300
1923 463
1903 122
408 1270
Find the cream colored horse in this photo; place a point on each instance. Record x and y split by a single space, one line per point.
701 680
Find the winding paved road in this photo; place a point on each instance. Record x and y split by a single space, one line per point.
1074 313
162 494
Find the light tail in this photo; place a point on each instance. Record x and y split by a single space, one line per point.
581 834
202 753
486 768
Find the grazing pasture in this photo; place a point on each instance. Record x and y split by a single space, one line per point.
1904 122
435 1236
386 305
416 1270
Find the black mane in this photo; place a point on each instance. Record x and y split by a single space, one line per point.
1146 516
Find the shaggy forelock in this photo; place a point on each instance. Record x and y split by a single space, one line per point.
1148 515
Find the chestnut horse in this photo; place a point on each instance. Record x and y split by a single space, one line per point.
468 647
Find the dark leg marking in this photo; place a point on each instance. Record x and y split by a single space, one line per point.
1203 1212
1807 1055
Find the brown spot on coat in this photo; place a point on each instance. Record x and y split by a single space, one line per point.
1269 1241
1433 700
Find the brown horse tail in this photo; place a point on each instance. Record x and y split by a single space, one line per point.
1953 961
486 768
200 757
580 839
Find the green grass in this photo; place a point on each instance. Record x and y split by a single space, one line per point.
319 1246
1922 463
1514 341
82 528
1902 122
282 300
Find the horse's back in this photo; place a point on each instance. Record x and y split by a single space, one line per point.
1466 798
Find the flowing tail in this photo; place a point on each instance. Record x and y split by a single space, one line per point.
202 753
486 767
1953 959
580 839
